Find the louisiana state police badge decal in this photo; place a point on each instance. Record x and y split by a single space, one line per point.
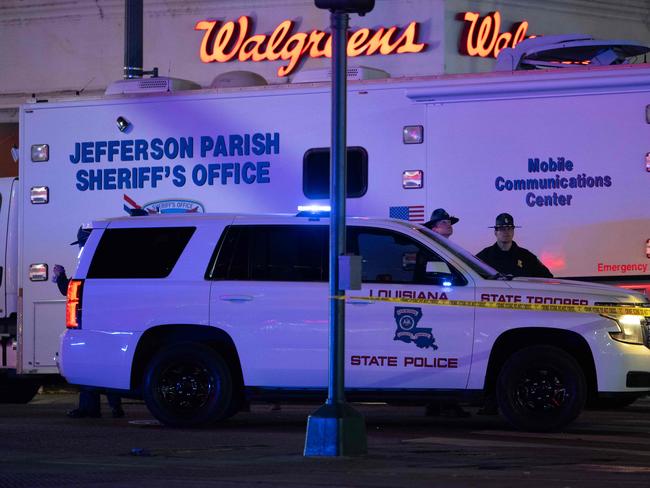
407 319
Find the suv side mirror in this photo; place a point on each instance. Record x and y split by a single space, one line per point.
438 272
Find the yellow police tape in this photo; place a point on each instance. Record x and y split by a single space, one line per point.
624 309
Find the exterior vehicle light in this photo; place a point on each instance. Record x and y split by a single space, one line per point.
73 305
122 124
313 209
413 134
633 329
647 248
647 161
413 179
40 152
39 195
38 272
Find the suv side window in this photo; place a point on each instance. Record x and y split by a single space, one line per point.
300 253
149 252
391 257
273 253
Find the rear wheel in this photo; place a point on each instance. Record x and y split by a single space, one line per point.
188 385
541 388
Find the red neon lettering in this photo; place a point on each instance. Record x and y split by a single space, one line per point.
481 36
230 40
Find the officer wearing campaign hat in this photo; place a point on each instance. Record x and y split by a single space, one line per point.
441 222
507 257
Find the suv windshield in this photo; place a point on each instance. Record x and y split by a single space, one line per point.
484 271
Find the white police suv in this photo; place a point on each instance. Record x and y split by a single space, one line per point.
198 312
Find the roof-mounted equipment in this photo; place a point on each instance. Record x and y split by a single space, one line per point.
567 51
359 73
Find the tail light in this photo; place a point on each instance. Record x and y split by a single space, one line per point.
73 306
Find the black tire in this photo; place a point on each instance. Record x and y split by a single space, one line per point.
541 389
188 385
18 390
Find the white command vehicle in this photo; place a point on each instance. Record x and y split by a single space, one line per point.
195 312
565 152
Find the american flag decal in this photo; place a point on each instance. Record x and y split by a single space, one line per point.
129 204
412 213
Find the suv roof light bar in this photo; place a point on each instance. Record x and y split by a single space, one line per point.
313 211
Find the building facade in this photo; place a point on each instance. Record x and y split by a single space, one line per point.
64 47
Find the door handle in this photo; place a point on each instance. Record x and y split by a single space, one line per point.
360 302
236 298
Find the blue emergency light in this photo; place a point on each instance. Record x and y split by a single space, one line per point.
313 211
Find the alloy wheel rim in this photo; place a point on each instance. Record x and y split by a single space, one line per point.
541 390
186 387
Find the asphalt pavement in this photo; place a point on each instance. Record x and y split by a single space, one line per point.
41 447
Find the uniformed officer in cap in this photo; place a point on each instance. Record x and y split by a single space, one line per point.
507 257
441 222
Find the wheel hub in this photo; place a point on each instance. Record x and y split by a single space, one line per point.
186 387
541 390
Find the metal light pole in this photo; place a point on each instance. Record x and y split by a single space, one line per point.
133 13
337 429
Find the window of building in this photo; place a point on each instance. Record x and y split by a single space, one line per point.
139 253
316 173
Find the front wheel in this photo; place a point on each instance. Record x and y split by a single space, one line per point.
541 389
188 385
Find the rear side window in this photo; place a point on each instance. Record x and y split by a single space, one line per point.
273 253
316 173
139 253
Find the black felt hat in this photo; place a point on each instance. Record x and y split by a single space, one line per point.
438 215
82 237
504 220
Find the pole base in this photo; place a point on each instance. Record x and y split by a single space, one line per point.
336 430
